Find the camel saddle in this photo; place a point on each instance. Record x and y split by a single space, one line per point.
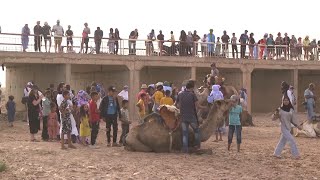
170 116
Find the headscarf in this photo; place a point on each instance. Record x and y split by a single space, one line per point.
82 97
215 94
288 107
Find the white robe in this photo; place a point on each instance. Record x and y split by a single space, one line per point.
73 121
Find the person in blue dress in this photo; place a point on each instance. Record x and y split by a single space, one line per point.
25 37
11 109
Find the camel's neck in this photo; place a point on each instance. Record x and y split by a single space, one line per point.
209 125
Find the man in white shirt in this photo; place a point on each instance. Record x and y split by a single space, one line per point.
124 94
58 33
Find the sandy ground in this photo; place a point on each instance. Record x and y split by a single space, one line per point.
45 160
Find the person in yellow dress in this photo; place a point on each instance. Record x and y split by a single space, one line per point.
141 105
167 100
85 130
157 97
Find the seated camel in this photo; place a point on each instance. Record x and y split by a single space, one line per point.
162 132
310 129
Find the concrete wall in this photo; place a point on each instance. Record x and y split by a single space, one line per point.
17 77
305 78
152 75
83 75
266 90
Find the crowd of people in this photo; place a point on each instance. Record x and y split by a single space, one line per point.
75 118
267 47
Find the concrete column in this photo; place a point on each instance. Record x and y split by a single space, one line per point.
134 88
193 73
295 85
246 79
68 73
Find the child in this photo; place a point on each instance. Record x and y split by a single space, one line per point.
141 106
84 124
124 121
167 100
11 108
286 116
218 47
46 109
234 122
53 124
215 95
94 117
65 110
157 97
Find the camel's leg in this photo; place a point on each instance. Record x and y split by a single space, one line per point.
133 143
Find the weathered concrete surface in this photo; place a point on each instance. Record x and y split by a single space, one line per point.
80 69
17 75
83 75
266 91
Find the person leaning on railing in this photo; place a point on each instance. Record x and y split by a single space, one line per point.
38 31
47 35
132 42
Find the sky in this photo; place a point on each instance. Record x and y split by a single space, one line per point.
260 17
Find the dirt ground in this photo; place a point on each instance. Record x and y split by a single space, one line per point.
45 160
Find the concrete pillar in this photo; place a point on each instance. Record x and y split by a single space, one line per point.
193 73
296 87
68 73
246 79
134 88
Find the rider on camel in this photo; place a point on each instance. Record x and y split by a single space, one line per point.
214 70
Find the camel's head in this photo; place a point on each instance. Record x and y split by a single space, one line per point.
276 115
220 107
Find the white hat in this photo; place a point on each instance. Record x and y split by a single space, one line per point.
159 83
144 86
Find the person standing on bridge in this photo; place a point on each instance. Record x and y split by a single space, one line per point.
38 31
47 35
69 34
85 37
98 34
132 42
25 37
116 42
212 40
58 33
243 41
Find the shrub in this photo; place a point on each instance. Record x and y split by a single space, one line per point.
2 166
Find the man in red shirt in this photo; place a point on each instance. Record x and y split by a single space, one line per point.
94 117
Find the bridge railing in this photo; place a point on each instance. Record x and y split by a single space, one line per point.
142 47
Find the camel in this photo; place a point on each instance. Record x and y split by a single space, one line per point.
153 136
227 91
310 129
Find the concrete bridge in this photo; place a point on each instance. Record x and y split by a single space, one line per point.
261 78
